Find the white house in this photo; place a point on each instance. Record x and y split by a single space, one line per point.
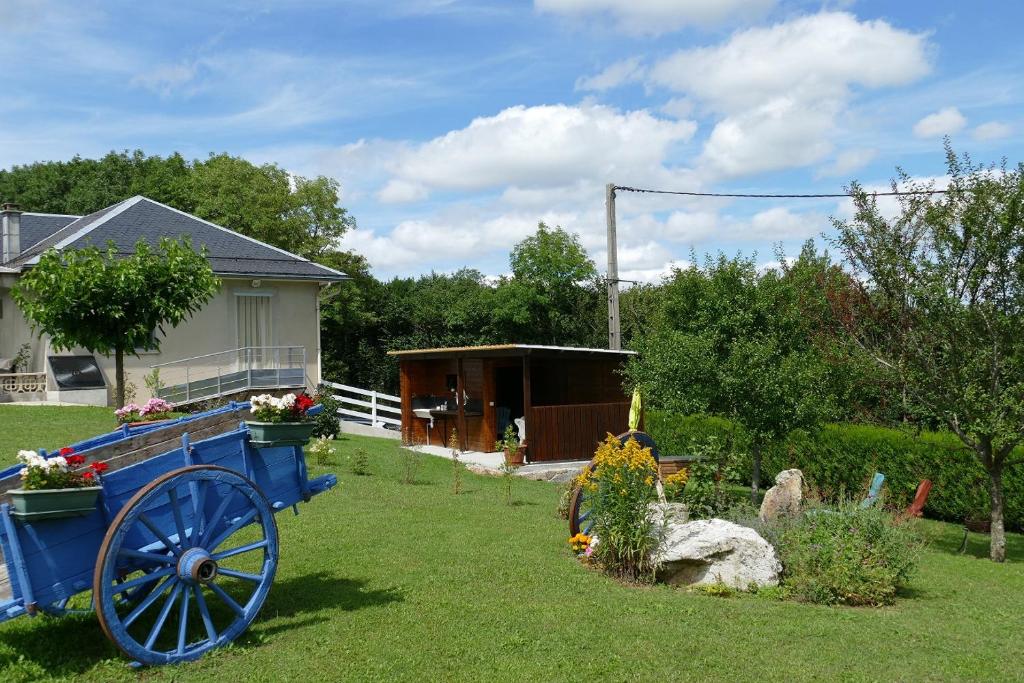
262 330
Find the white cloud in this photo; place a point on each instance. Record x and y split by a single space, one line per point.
677 108
543 147
657 16
809 58
165 78
627 71
943 122
847 162
401 191
779 89
993 130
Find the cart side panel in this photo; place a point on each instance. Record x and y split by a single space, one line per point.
59 555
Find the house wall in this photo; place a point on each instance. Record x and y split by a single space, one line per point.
294 322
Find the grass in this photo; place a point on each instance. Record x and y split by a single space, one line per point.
380 580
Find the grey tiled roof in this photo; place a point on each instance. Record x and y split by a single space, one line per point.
36 227
229 252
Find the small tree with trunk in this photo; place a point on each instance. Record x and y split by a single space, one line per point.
729 341
112 303
936 299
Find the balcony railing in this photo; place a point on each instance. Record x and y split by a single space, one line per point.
22 382
228 372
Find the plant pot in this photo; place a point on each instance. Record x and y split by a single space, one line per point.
517 458
53 503
273 434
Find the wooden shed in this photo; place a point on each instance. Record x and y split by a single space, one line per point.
569 398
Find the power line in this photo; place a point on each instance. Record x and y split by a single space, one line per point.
778 196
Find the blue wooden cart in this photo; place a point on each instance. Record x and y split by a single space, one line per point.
182 547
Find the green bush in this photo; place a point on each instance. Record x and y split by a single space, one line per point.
839 460
327 422
847 556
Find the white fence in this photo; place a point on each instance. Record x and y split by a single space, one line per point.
379 408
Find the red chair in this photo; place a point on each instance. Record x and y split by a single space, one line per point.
917 507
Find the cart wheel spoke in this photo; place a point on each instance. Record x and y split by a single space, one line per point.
204 612
235 526
224 554
152 576
178 576
148 602
227 599
255 578
214 521
141 555
183 621
154 632
179 523
160 535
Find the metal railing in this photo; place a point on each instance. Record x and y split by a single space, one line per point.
373 405
227 372
23 382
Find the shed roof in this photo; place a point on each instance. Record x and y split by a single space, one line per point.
505 350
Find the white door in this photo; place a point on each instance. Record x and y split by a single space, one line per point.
255 330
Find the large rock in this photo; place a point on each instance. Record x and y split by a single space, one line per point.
785 497
711 551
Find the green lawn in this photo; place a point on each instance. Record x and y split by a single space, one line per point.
384 581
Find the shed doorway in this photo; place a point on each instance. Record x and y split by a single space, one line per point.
508 397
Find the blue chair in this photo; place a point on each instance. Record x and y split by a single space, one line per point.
504 419
873 491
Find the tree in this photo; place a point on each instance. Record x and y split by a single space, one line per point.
936 299
728 341
553 293
110 303
298 214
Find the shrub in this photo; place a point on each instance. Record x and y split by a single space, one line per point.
322 450
848 555
411 462
839 458
360 463
715 465
327 422
621 485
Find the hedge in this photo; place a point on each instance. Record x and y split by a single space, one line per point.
841 458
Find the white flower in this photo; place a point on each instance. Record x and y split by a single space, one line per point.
594 541
58 463
32 459
288 400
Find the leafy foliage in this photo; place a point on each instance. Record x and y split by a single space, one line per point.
845 555
936 299
704 493
110 303
730 342
838 459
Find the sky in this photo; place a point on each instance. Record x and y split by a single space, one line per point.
455 126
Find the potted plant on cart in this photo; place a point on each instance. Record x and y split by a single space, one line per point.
57 486
280 421
155 410
515 452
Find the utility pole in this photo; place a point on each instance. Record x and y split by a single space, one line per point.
614 335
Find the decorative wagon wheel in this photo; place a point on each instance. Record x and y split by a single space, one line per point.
166 537
581 505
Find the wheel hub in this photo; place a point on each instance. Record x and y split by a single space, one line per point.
196 566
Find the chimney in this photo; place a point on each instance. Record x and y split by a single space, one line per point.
10 232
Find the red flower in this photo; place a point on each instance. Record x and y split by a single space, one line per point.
87 476
98 467
75 460
66 451
303 403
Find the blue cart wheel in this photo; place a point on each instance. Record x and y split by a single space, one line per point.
186 565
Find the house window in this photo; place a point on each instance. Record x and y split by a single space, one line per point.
255 324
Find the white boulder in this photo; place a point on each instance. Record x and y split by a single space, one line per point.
711 551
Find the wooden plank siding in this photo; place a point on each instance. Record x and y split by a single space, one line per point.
572 432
